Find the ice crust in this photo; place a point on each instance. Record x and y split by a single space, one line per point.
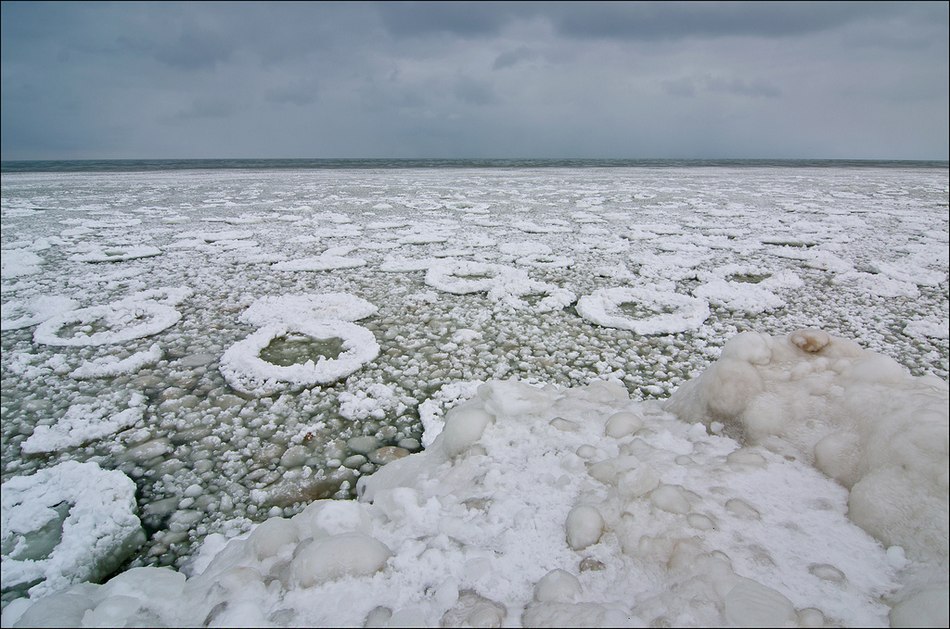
538 505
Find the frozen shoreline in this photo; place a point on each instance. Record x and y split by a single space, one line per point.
542 506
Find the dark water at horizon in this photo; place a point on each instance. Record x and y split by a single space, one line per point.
139 165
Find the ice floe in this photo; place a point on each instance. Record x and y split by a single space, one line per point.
116 253
87 422
66 524
111 366
304 307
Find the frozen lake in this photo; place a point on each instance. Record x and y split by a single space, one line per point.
161 323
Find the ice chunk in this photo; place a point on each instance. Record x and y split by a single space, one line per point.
557 585
474 610
670 498
346 554
69 523
751 604
464 426
584 526
622 424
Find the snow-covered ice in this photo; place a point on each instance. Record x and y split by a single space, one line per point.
601 396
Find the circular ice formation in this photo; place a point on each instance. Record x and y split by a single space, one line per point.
69 523
603 307
125 320
244 369
304 307
462 277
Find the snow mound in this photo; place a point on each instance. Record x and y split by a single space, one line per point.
245 370
69 523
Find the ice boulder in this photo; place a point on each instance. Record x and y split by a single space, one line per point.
584 526
69 523
346 554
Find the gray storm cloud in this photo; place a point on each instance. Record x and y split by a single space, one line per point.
509 79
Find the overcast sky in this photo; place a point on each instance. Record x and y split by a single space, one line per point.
534 79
